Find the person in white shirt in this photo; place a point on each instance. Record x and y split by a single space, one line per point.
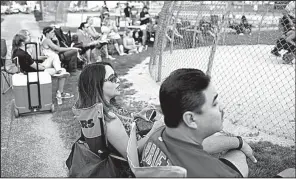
117 15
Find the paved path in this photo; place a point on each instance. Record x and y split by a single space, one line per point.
30 145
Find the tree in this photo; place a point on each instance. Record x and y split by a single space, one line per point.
6 3
22 2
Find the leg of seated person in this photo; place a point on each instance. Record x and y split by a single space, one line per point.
95 55
53 61
239 160
117 48
132 51
51 71
144 38
88 56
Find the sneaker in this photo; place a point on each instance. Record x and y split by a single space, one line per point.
62 75
122 54
111 58
66 95
59 98
275 53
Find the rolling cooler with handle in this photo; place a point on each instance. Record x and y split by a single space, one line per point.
32 91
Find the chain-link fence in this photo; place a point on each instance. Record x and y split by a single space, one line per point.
232 42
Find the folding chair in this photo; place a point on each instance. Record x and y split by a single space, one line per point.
159 171
5 74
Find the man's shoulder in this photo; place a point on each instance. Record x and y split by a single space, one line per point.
79 32
155 152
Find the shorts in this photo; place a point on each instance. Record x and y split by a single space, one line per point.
114 41
228 163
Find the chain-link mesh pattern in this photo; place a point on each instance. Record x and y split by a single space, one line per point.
256 87
56 11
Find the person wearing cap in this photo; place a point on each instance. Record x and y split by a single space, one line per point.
192 115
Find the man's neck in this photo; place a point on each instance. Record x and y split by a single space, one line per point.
184 134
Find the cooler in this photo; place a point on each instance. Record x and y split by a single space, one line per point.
27 100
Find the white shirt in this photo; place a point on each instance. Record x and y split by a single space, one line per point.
118 11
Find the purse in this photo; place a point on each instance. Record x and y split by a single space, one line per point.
84 163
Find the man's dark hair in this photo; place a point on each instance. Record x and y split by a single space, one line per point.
82 25
180 92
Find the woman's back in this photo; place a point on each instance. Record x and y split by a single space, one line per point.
91 120
45 48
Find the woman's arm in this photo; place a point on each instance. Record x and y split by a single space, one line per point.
124 42
40 66
117 136
55 47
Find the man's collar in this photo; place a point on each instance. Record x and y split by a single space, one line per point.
171 135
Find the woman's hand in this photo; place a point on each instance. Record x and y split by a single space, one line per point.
142 113
75 48
157 124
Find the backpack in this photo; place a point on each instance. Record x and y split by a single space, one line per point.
64 38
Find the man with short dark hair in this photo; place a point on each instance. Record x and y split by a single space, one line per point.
192 115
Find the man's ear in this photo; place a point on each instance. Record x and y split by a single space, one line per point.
189 120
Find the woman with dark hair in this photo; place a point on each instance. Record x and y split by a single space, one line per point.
67 55
27 64
98 85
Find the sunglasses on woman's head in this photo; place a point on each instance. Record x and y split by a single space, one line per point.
112 78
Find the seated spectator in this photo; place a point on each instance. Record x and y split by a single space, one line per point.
129 43
287 25
137 35
192 115
92 47
95 35
48 62
50 65
102 91
91 30
243 27
247 28
31 49
67 55
111 31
